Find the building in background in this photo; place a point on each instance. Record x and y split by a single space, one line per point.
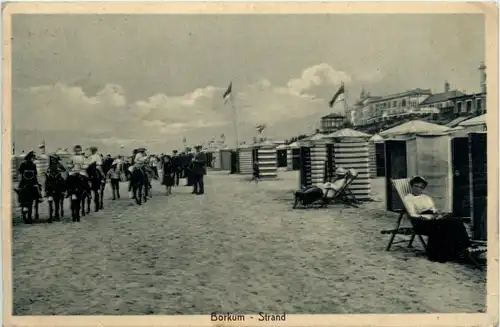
332 122
395 106
441 103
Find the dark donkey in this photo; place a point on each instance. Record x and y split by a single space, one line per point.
55 189
77 187
97 186
139 182
28 197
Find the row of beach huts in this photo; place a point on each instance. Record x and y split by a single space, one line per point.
452 159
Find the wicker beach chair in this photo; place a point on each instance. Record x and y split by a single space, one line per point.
403 188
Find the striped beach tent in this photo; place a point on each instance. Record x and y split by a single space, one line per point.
293 156
267 159
313 152
351 151
376 147
246 155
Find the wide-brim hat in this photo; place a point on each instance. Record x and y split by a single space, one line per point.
418 179
93 148
198 146
54 156
77 147
30 154
141 150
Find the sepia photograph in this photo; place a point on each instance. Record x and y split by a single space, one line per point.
249 167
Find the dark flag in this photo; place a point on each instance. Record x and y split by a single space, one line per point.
339 92
260 128
228 92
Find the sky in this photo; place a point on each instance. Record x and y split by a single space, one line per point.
125 81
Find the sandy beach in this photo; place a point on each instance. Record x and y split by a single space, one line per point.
238 248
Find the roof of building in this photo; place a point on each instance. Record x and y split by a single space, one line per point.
402 94
472 95
440 97
333 115
457 121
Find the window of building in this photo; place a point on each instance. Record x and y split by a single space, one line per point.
469 106
395 103
439 105
459 107
479 104
403 103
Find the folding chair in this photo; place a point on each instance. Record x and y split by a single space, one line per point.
346 196
403 188
324 200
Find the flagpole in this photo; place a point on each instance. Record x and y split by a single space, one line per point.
345 104
235 121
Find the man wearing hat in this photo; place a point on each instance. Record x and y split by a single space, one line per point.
198 170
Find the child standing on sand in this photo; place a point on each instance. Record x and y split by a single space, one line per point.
256 172
114 176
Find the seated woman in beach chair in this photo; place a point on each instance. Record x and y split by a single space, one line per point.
323 192
447 236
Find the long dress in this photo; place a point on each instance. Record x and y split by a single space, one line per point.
168 174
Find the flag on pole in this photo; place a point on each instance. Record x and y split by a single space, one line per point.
260 128
228 92
336 95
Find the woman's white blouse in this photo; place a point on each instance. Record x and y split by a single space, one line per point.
416 204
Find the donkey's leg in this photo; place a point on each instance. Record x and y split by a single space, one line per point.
61 204
97 198
36 205
101 199
81 204
89 200
51 209
57 205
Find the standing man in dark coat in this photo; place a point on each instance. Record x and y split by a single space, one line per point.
189 167
176 167
199 165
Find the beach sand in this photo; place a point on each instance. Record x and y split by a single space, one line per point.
239 248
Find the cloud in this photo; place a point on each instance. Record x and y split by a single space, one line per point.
109 119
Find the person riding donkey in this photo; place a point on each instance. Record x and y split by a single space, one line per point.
77 160
97 159
55 186
28 171
138 159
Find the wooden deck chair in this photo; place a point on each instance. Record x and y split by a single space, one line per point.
322 201
403 188
346 195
